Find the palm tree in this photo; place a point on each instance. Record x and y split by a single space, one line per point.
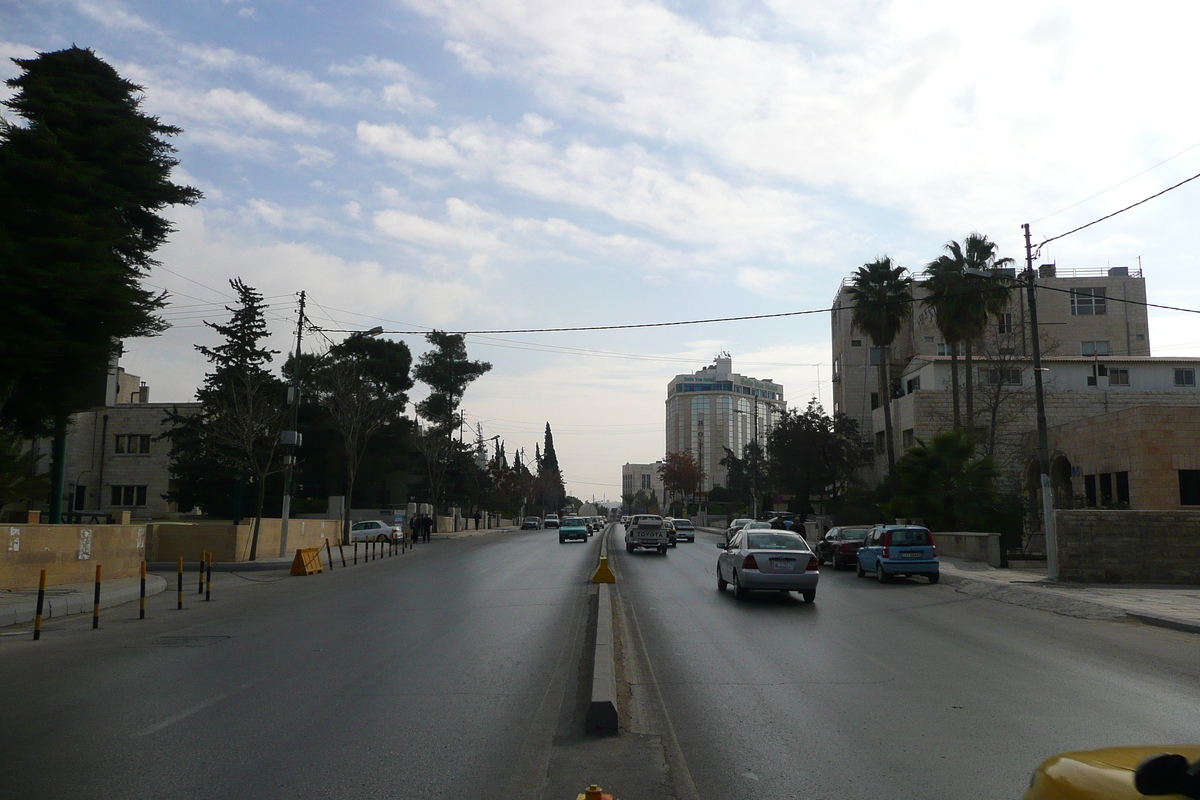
961 304
882 295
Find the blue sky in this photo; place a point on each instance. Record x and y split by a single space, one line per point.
498 165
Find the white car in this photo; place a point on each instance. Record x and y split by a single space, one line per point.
375 530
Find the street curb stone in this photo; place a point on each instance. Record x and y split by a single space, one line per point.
79 602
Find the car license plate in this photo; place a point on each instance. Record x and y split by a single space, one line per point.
783 563
911 555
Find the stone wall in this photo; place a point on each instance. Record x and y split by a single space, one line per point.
168 541
970 546
1129 546
69 553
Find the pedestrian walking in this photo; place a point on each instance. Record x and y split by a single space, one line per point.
478 517
414 525
426 527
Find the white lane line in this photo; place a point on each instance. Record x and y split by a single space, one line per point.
187 712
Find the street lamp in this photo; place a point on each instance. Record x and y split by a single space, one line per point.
1030 284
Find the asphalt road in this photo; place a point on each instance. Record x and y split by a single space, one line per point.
899 691
440 673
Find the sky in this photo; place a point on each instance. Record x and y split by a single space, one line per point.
528 164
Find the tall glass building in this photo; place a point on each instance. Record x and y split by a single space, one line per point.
715 408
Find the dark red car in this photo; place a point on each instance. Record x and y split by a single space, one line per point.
839 545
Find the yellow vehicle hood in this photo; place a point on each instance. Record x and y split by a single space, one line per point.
1104 774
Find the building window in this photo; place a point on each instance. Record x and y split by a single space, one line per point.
1118 377
1002 376
1094 348
1123 487
130 496
914 384
928 340
1185 377
856 342
1141 337
1004 323
131 443
1189 487
880 441
1088 302
1089 490
944 349
873 355
1106 488
874 400
909 439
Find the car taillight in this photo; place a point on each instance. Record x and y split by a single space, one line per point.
844 546
934 546
813 566
749 562
887 544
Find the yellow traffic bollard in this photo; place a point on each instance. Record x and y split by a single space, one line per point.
603 574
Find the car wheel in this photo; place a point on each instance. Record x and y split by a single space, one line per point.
934 577
721 582
662 549
858 570
809 595
674 544
629 547
820 558
739 591
837 562
561 540
881 574
381 538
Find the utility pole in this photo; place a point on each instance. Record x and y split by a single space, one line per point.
1043 433
291 438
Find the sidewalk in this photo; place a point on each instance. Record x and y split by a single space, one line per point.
1176 607
20 605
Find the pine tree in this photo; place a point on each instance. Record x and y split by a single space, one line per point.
81 185
549 475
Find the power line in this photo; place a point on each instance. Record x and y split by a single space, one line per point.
1117 185
1122 211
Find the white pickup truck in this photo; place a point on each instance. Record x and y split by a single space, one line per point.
648 531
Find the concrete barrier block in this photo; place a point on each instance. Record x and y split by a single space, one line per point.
601 715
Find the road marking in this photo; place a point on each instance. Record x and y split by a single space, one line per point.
187 712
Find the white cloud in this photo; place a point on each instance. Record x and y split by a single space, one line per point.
765 282
313 156
537 125
397 141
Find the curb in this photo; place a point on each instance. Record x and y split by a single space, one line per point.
1167 622
601 715
80 602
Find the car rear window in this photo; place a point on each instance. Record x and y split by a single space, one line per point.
909 537
775 541
855 536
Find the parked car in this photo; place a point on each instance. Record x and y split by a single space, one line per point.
839 545
736 526
531 524
684 530
768 559
573 528
375 530
893 550
551 521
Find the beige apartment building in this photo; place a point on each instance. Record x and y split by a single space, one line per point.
1084 324
115 460
642 477
716 408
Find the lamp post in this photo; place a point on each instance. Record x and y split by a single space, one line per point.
1028 280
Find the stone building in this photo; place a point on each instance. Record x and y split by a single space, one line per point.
642 477
1081 314
715 408
115 460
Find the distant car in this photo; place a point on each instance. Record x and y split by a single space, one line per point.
672 534
839 545
375 530
573 528
893 550
736 526
770 560
551 521
625 519
685 530
531 524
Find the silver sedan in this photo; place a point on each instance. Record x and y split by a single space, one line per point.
767 559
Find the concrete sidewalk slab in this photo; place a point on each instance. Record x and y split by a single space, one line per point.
1176 607
20 605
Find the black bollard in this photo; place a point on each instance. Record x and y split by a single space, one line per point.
208 579
329 553
180 601
37 620
96 601
142 600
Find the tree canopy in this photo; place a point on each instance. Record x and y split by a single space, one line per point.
448 372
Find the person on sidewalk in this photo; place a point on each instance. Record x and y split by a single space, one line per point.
478 517
426 527
414 525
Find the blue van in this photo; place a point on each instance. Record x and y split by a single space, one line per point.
893 550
